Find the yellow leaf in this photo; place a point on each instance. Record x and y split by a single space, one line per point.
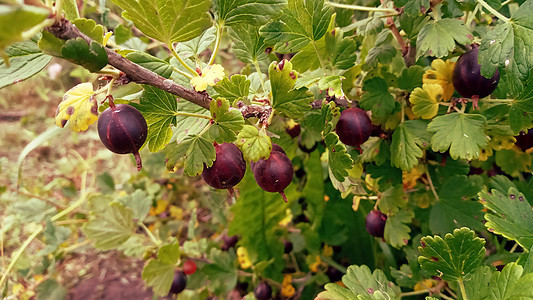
287 219
327 251
425 100
243 258
287 289
441 74
176 212
161 207
425 284
79 107
209 77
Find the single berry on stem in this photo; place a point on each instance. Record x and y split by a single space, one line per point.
228 168
178 283
122 129
354 127
274 174
375 223
189 267
467 79
263 291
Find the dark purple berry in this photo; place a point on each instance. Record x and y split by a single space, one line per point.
274 174
467 78
375 223
293 131
228 168
229 242
122 129
275 147
287 246
263 291
178 283
354 127
333 274
525 140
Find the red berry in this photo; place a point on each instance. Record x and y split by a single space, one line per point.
228 168
122 129
274 174
354 127
189 267
375 223
467 78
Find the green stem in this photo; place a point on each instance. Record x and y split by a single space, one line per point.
493 11
180 113
359 7
150 235
506 2
414 293
59 10
432 187
19 254
319 57
70 208
506 101
37 28
220 28
183 73
333 263
182 62
258 70
463 290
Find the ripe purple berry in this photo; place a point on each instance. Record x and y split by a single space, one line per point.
122 129
178 283
467 78
354 127
274 174
263 291
228 168
375 223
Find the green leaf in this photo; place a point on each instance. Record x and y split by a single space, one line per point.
338 158
16 20
377 98
404 150
426 100
159 108
301 22
368 26
168 21
332 84
285 99
383 53
122 34
439 38
159 272
248 45
521 111
71 9
361 283
25 60
199 44
507 44
510 215
222 272
152 63
227 121
54 236
139 202
110 227
234 89
413 8
375 149
254 144
50 289
92 58
454 257
513 162
91 29
463 134
197 150
477 283
510 284
457 207
256 217
189 125
412 26
255 12
397 229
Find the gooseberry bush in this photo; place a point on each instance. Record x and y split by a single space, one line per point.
389 128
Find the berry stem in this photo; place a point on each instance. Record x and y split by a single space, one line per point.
282 193
182 62
493 11
138 160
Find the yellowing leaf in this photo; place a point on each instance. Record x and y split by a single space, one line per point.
425 100
79 107
287 289
441 73
243 258
209 77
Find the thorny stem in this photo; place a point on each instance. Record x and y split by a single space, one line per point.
360 8
182 62
493 11
220 28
